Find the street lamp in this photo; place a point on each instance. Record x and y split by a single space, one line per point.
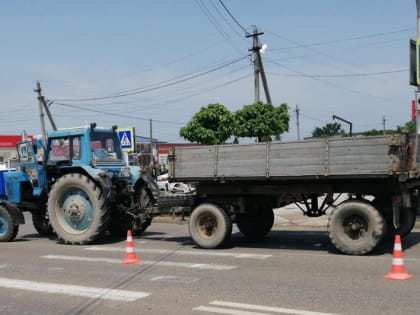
346 121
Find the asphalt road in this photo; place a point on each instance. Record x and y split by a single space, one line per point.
295 270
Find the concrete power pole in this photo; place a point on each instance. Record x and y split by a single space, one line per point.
43 106
297 122
258 67
383 124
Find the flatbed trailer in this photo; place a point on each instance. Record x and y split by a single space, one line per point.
243 183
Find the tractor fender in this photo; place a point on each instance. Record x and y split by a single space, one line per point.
150 181
138 176
15 212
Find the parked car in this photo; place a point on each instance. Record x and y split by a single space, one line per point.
165 185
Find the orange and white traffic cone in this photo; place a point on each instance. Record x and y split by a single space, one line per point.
397 268
130 255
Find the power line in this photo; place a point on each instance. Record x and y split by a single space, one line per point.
336 40
233 18
146 70
114 114
211 18
333 84
339 75
144 119
226 21
117 95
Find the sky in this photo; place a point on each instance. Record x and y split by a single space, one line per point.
152 64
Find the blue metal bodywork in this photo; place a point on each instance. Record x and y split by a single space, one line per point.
95 152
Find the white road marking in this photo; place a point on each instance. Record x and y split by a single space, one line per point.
144 262
198 252
74 290
3 266
242 306
219 310
174 279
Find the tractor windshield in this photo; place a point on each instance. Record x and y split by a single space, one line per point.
105 146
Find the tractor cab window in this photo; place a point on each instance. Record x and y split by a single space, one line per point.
64 149
60 150
105 146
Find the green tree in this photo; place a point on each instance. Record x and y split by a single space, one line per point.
375 132
409 126
262 121
329 130
210 125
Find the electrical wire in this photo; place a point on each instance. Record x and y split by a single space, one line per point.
343 75
227 22
144 119
117 95
115 114
212 19
336 40
233 18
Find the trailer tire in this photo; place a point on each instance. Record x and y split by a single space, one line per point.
355 227
407 219
256 222
210 226
77 209
8 227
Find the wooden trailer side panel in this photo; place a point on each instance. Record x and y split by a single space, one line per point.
319 157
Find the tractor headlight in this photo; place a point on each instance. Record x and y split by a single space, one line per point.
93 163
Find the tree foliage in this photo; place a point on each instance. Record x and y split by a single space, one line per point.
409 126
329 130
262 121
376 132
215 124
210 125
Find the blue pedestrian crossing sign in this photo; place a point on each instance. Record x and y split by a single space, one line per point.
127 139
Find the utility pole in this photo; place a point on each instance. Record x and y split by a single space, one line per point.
258 66
383 124
297 121
151 140
42 104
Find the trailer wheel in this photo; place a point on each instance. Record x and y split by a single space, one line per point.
256 222
8 228
210 226
77 209
355 227
407 219
41 222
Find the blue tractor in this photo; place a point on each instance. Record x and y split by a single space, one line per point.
82 188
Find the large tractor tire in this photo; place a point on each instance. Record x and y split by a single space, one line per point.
210 226
77 209
355 227
121 222
257 220
8 227
407 218
42 223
